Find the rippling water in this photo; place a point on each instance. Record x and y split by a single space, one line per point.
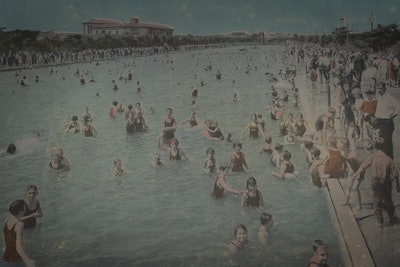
153 217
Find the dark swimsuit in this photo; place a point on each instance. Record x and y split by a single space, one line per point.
10 237
30 222
253 202
169 134
176 157
253 131
218 192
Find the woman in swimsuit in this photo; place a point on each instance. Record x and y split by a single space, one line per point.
168 130
213 131
174 152
240 242
59 162
13 235
267 147
254 128
220 184
33 209
253 197
287 168
210 164
90 130
73 125
238 159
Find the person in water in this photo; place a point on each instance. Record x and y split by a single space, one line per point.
73 125
238 159
254 128
213 131
89 130
59 162
168 130
287 168
118 170
13 235
220 184
267 222
11 150
252 197
320 257
33 209
157 162
240 242
193 121
210 163
174 152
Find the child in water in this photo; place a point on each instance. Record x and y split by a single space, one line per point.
118 170
210 163
266 224
157 161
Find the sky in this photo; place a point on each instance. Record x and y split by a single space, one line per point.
202 17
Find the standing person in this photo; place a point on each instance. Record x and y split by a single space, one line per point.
59 162
386 110
326 124
382 172
174 152
33 209
89 130
240 242
73 125
238 159
320 257
113 109
168 130
210 163
220 184
254 128
13 235
252 197
287 168
87 116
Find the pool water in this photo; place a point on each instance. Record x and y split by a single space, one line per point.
150 216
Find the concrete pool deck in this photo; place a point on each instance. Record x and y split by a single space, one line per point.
363 242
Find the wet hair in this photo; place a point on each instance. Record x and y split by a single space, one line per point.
174 141
318 243
17 206
278 147
265 217
223 168
251 181
237 145
268 139
210 151
130 106
169 109
316 153
11 149
115 103
286 155
239 226
32 186
74 118
308 144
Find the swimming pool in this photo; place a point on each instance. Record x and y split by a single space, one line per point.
154 217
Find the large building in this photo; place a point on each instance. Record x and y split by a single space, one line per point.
119 28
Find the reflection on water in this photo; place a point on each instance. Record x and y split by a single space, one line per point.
154 217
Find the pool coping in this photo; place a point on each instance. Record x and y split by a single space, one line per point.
354 248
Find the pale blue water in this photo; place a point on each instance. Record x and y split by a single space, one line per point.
153 217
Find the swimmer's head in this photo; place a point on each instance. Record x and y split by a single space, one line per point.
265 217
74 118
174 141
11 149
210 151
130 106
251 182
17 206
115 103
286 155
278 147
237 145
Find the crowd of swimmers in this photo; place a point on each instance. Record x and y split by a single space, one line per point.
330 150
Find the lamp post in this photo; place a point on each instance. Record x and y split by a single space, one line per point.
372 20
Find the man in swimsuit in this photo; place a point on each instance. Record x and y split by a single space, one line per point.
238 159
